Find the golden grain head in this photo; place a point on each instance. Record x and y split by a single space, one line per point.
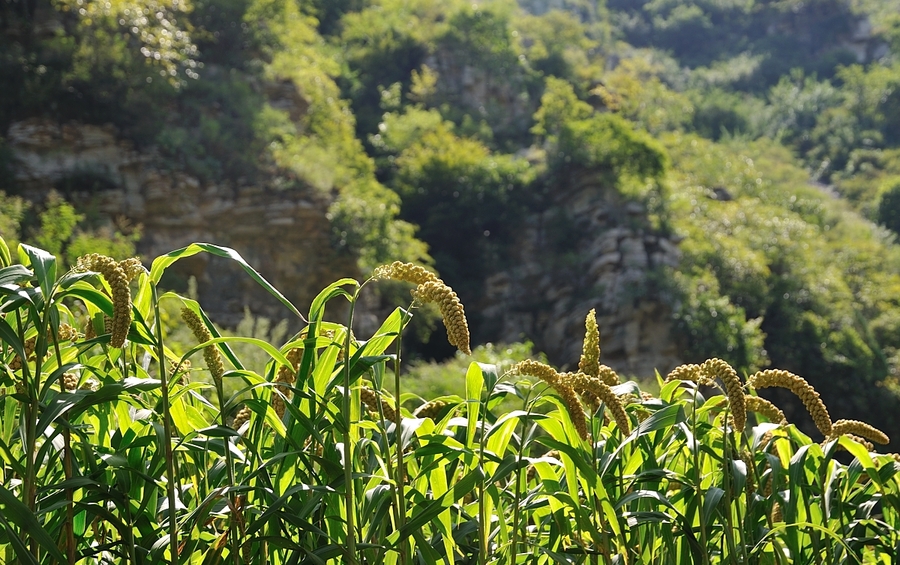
132 267
536 369
121 295
762 406
801 388
580 381
65 332
687 372
241 417
590 350
406 272
372 400
210 353
734 389
430 409
858 428
576 412
70 381
452 311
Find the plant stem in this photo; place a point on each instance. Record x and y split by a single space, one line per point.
67 461
349 500
398 436
167 429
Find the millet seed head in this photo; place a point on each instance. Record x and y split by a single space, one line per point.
734 389
371 399
210 353
241 417
590 350
801 388
452 311
687 372
858 428
430 409
581 381
112 272
762 406
407 272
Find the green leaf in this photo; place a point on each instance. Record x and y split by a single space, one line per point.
426 512
474 384
44 265
160 264
711 499
21 516
14 274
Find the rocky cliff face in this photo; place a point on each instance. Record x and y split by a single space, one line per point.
589 249
284 234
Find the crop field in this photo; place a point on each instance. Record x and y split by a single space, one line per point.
117 447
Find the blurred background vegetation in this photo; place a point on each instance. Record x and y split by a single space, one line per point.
764 132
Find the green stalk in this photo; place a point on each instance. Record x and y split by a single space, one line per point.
482 511
167 429
349 500
69 527
698 486
29 490
398 436
234 523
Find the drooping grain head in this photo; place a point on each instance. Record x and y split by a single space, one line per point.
762 406
241 417
858 428
452 311
121 295
687 372
718 369
568 395
210 353
407 272
370 398
132 267
431 409
581 382
801 388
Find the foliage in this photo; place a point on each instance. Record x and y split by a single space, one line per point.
301 464
765 264
574 135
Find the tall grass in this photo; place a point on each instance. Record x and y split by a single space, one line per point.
119 455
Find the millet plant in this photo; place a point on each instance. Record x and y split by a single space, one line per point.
116 449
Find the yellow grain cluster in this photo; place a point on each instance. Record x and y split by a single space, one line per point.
241 417
687 372
747 458
803 390
17 361
857 428
452 311
429 288
712 369
549 375
286 376
373 402
430 409
582 382
65 332
210 353
132 267
762 406
590 351
70 381
407 272
117 278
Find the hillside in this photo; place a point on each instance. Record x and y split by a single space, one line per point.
705 174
